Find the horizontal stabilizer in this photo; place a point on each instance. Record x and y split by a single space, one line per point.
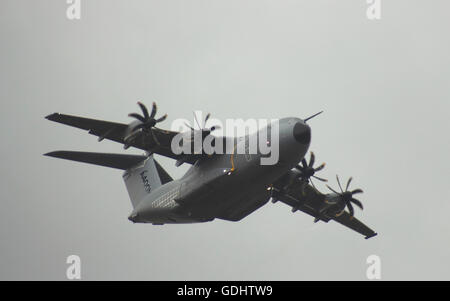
118 161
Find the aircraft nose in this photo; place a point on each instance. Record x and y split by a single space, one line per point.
302 132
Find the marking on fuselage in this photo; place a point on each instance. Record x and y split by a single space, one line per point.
232 159
145 181
167 200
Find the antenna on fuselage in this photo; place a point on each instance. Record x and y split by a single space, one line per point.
311 117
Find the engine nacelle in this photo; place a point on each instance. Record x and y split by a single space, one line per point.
334 205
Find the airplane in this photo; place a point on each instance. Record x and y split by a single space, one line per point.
226 186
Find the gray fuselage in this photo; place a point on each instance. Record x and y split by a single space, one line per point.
228 186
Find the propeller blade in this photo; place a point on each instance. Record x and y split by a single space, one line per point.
189 126
303 188
350 209
139 126
356 191
128 139
310 181
305 164
311 160
154 109
143 109
137 116
348 183
205 132
357 203
161 119
207 117
320 179
332 189
320 167
154 137
339 183
196 120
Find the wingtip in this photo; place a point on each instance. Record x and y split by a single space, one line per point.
372 235
51 116
54 154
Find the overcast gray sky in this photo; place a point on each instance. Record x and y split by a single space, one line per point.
384 86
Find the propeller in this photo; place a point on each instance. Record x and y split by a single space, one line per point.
146 122
347 196
307 170
205 131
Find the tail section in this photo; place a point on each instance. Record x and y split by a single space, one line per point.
141 180
108 160
142 173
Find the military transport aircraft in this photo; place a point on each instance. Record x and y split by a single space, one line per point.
226 186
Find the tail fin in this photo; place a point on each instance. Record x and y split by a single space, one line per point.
141 180
142 173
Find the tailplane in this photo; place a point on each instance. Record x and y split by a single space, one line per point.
142 174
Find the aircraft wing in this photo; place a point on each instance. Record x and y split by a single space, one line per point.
306 198
353 223
117 131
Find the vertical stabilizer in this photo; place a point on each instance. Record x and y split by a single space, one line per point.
141 180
